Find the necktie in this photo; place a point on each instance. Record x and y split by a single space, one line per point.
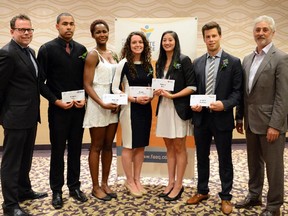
26 51
30 57
210 77
67 48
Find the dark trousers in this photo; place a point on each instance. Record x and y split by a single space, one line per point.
16 163
261 155
223 141
66 128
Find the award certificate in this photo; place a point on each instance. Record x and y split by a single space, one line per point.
76 95
120 99
203 100
165 84
136 91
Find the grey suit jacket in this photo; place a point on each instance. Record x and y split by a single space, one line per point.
267 103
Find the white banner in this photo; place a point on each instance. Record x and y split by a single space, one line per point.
153 28
155 163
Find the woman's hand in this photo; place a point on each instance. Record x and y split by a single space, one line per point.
143 100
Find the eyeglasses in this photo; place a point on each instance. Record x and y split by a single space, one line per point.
23 30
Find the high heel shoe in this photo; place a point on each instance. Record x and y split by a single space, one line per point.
136 194
162 195
178 196
144 191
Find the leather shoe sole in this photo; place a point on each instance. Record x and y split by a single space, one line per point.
197 198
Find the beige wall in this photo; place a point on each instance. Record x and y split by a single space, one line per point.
234 16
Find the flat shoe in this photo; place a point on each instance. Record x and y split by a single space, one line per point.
112 195
106 198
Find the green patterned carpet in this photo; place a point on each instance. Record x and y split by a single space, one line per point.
148 205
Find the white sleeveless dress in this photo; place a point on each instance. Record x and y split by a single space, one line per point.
95 115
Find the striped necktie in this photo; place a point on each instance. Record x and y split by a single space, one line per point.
210 77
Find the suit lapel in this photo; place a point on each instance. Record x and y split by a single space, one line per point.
220 68
202 63
25 58
247 66
263 64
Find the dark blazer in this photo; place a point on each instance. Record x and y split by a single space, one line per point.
228 89
184 76
19 91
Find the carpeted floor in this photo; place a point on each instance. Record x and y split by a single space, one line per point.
148 205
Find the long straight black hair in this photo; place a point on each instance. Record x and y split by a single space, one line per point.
160 64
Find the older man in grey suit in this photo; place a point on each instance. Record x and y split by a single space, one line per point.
264 109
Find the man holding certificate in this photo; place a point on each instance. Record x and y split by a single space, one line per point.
217 73
62 78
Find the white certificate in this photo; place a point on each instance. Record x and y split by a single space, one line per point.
120 99
165 84
76 95
136 91
203 100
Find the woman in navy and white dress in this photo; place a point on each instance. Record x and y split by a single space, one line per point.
135 118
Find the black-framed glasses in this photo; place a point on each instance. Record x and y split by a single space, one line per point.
23 30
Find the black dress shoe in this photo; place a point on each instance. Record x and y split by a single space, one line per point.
78 195
267 212
178 196
32 195
248 203
162 195
57 201
15 212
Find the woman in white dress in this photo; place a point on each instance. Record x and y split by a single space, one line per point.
173 111
100 118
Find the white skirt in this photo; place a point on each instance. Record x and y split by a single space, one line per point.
169 124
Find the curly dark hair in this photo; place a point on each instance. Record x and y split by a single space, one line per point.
145 55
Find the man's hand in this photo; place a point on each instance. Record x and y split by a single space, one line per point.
239 127
216 106
272 134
